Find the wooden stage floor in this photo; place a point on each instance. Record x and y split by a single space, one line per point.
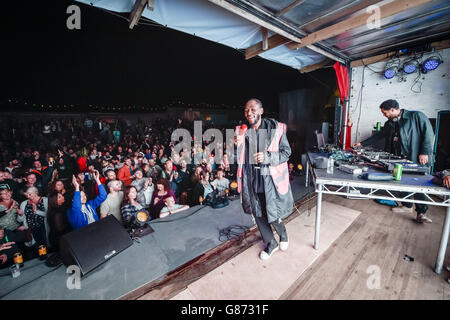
376 243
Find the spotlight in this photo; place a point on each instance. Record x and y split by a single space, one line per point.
140 226
410 66
299 167
431 63
390 72
142 217
233 188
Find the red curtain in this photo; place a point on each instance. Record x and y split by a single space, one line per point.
344 86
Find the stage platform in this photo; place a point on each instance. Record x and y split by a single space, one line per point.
246 277
177 241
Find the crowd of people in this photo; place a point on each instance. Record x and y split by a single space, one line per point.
61 175
58 175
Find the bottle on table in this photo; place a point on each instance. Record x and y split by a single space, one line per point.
330 165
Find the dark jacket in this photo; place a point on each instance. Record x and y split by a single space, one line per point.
174 183
198 191
439 176
416 135
275 175
58 222
44 176
65 170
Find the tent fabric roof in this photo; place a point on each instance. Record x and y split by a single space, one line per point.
417 25
209 21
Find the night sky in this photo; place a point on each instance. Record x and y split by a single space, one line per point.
106 63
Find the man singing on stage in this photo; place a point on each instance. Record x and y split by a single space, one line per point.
263 176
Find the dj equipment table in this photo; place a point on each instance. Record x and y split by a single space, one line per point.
346 184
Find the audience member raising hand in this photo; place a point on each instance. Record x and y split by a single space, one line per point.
83 212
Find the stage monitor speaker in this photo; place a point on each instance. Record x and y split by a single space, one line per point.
94 244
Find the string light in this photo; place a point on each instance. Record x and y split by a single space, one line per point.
164 108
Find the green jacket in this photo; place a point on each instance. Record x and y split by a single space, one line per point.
416 134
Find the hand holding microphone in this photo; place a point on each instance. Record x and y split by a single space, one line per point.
259 157
240 137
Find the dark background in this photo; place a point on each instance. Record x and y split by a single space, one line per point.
106 63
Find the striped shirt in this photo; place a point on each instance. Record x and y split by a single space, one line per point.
129 212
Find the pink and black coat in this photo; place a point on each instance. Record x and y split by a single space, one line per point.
275 173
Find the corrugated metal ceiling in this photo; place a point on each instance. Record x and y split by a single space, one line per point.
424 23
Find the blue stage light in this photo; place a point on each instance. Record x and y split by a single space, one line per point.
431 64
390 72
410 66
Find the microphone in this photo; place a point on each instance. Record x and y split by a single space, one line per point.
243 128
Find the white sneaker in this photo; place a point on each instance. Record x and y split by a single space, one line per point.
269 250
284 245
421 218
402 209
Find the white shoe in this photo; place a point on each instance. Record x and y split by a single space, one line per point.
402 209
284 245
421 218
269 250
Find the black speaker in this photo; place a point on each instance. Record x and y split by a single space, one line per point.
92 245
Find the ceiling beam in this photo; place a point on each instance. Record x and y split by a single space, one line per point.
289 7
316 66
276 41
325 53
241 12
370 60
256 49
272 42
136 12
337 14
385 11
265 41
439 45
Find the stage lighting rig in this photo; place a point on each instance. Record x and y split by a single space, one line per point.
431 64
410 66
390 72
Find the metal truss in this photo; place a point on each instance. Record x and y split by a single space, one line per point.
384 193
361 189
